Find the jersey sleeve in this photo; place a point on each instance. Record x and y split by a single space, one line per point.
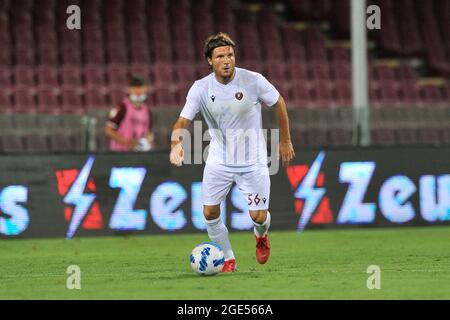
116 116
193 103
267 93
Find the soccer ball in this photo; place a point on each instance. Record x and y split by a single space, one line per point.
207 259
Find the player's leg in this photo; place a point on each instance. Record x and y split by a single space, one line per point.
256 188
215 188
261 221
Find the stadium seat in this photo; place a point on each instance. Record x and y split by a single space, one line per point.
24 100
48 55
94 75
116 95
406 136
95 99
47 76
24 76
36 143
71 75
12 143
48 100
61 142
117 75
72 100
383 135
5 77
6 105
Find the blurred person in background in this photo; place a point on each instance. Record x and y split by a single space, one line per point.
129 123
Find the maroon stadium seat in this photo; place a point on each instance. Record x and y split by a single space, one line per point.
94 75
71 56
72 100
275 71
95 99
185 72
48 55
5 76
165 97
24 100
116 95
297 71
6 105
48 100
117 74
47 76
301 95
24 76
71 76
163 73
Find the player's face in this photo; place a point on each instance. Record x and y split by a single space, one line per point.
223 61
138 94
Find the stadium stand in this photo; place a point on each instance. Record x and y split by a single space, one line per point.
303 47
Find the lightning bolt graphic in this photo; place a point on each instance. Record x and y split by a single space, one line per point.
309 193
76 197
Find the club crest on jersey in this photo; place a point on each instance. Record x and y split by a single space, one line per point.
239 95
213 98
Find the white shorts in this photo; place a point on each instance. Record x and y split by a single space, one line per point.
255 186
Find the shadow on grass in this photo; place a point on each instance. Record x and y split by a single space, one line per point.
191 275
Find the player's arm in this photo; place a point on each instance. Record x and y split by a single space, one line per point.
176 149
190 109
286 149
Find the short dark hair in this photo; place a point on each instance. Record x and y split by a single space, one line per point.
218 40
136 81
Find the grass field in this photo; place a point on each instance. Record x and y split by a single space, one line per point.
414 263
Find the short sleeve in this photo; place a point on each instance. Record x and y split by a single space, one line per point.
266 91
193 103
116 116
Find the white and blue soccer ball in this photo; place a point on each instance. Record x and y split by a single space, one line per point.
207 259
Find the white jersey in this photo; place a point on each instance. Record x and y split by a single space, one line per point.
233 115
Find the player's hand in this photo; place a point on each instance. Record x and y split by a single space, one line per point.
286 152
177 155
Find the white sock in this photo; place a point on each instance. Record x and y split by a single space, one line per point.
218 233
262 229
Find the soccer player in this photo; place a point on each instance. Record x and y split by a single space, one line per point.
230 101
128 124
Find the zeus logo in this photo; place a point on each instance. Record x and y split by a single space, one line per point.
310 195
82 209
358 176
76 197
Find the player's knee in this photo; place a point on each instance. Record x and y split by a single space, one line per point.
211 212
258 216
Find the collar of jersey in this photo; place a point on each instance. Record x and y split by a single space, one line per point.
236 70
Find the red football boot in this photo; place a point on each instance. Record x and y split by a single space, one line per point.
229 266
262 249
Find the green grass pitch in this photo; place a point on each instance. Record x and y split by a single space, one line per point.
414 263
